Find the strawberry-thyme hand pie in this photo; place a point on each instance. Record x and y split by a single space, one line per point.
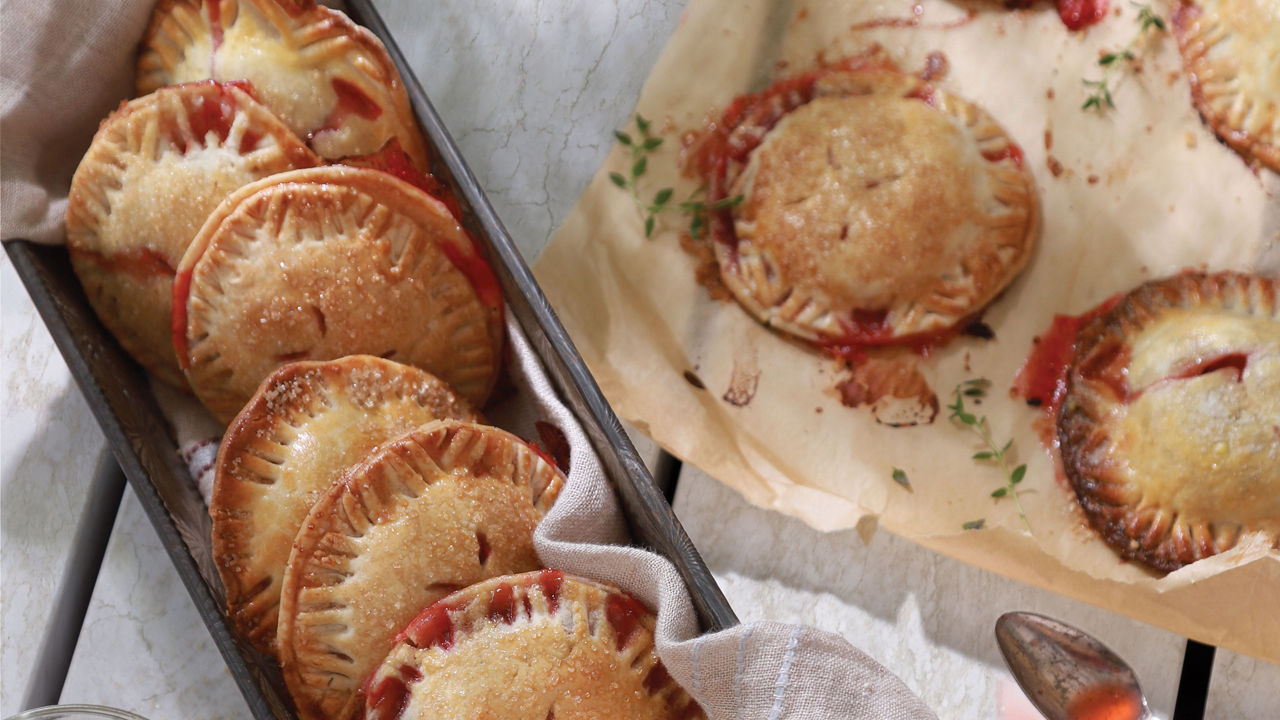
875 208
308 424
332 261
1170 424
538 646
156 168
331 80
445 506
1231 53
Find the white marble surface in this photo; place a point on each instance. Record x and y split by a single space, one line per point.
48 447
144 647
532 91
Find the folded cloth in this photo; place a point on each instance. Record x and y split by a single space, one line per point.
759 670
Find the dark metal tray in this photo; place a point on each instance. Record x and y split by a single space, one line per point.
118 393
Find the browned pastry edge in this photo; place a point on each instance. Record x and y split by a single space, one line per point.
1161 546
1185 19
268 420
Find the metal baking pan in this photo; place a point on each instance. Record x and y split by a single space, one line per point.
119 396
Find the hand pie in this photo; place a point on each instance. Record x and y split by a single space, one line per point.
875 208
445 506
1170 425
331 80
308 424
540 645
317 264
156 168
1231 52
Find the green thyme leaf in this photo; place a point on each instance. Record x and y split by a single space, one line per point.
618 180
993 452
974 524
1100 94
900 477
623 138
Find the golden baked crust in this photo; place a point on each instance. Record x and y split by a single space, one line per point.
308 423
156 168
445 506
880 211
1231 53
540 645
321 263
331 80
1170 426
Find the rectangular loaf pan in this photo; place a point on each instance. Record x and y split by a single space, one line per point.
119 396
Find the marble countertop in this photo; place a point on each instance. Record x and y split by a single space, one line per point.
531 91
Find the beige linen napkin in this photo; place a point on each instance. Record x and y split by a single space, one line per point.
55 91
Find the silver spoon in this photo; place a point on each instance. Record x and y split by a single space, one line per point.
1066 673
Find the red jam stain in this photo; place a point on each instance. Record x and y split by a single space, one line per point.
432 628
1079 14
141 264
1042 380
624 614
181 291
502 605
550 581
1106 702
1008 152
351 102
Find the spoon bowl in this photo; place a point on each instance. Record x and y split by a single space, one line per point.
1067 673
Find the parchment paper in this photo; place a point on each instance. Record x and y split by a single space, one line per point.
1142 191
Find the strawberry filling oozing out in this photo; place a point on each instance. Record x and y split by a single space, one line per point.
1042 380
207 116
724 147
352 102
388 698
393 161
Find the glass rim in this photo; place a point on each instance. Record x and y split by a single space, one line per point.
53 711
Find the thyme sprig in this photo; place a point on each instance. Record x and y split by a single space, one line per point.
976 389
641 146
1111 62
